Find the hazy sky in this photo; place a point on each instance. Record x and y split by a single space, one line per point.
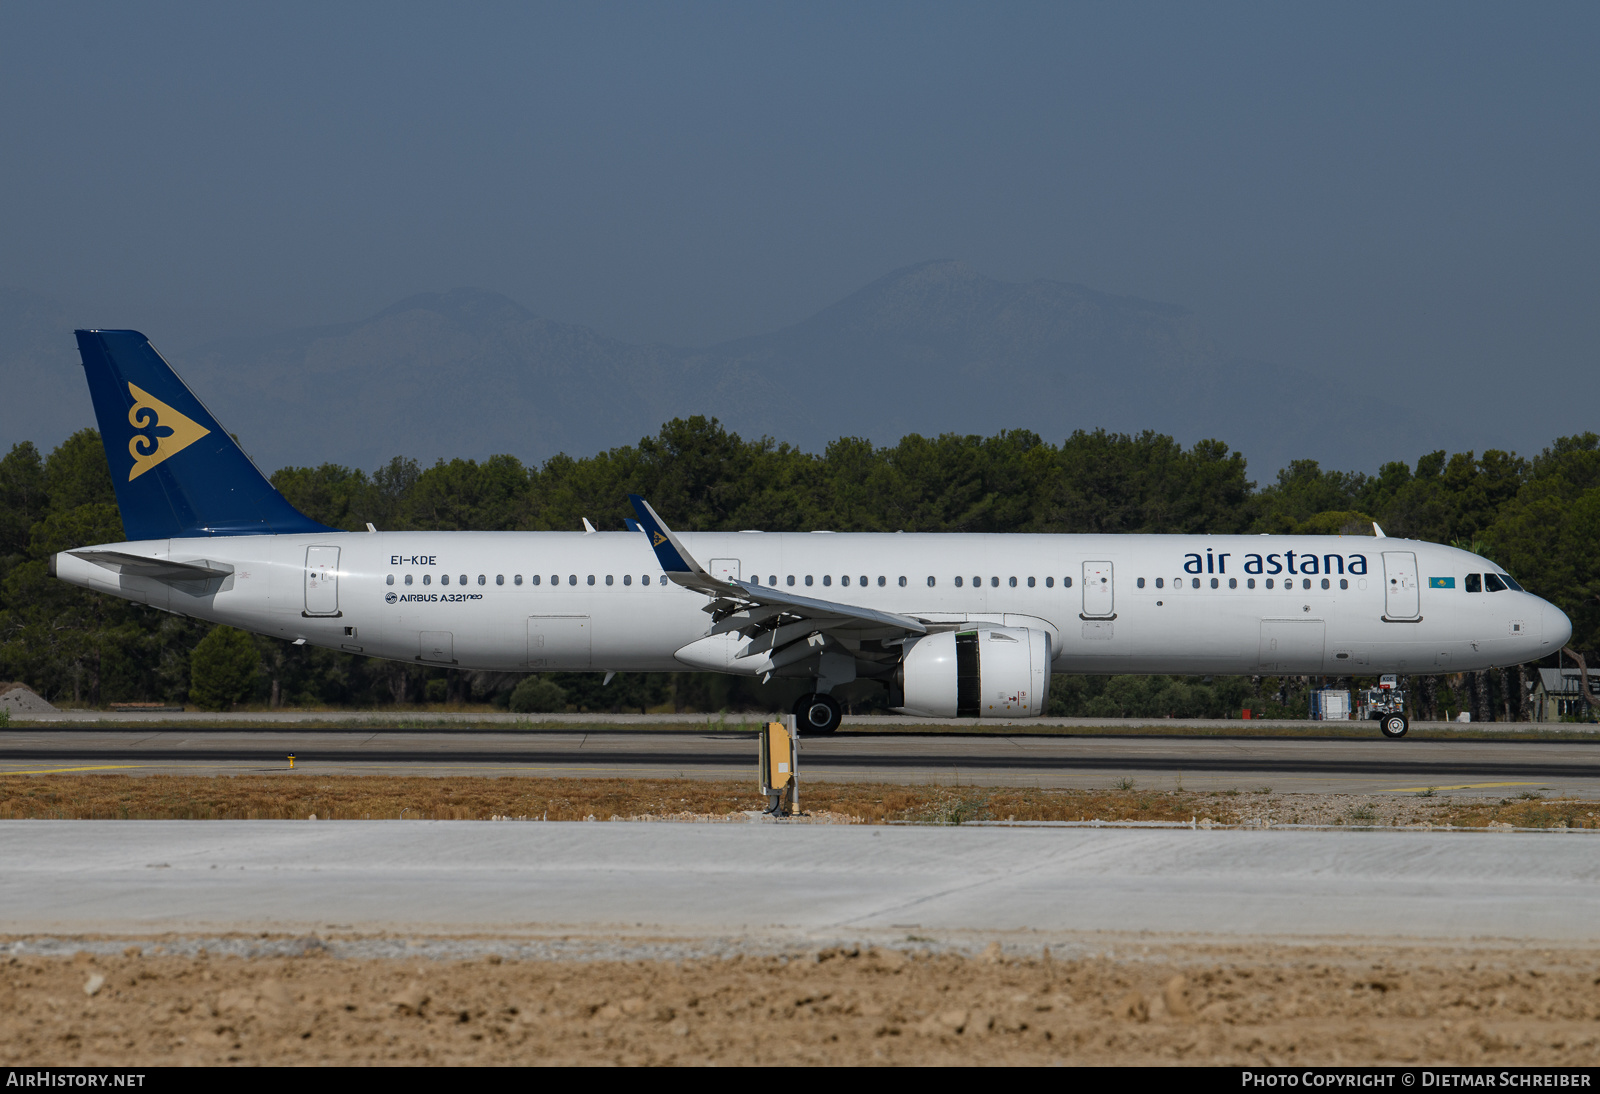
1386 192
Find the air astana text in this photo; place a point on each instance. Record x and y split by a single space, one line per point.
1291 562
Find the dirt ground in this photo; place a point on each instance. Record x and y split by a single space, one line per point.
346 797
1148 1004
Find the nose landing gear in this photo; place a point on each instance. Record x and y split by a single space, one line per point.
1393 725
817 714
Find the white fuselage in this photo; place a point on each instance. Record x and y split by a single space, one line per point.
532 601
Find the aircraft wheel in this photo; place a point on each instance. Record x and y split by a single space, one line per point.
1394 726
817 714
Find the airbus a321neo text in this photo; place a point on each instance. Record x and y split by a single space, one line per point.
952 625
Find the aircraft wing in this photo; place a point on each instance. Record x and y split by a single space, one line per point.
770 617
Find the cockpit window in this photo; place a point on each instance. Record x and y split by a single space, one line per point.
1493 584
1510 584
1474 583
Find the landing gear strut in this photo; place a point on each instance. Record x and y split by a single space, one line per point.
1393 725
817 714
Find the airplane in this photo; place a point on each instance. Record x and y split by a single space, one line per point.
952 625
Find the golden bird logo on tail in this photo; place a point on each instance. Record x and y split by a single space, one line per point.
165 432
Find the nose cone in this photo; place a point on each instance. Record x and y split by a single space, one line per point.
1557 627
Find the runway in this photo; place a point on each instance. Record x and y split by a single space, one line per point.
1286 764
439 876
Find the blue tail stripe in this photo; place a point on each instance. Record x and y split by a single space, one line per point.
176 471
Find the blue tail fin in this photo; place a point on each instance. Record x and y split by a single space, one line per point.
176 471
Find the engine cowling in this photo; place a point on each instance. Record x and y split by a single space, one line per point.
986 672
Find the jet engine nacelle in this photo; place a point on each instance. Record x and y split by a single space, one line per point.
987 672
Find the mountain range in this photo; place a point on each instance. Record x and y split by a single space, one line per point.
933 348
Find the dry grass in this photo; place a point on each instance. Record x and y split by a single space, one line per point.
1529 812
347 797
386 797
1234 1005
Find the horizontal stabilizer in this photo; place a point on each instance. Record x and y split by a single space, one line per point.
158 569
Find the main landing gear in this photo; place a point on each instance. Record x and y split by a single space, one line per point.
1393 725
817 714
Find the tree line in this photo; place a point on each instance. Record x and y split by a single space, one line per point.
1538 517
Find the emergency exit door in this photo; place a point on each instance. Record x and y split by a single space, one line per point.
322 581
560 642
1401 599
1098 591
725 569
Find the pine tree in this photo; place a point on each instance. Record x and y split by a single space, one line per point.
223 669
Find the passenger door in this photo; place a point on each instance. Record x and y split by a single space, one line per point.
1098 591
322 581
1401 599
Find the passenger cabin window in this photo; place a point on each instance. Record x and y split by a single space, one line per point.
427 579
1161 582
518 579
1305 583
827 579
591 579
1326 583
791 579
977 583
902 582
1249 583
484 580
408 579
1195 581
1343 583
808 579
609 580
444 579
390 580
1139 583
772 579
864 581
463 579
534 579
1013 582
931 582
1233 583
1030 583
1269 583
958 583
1066 583
994 583
572 579
1214 583
1493 584
627 579
499 579
1049 583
